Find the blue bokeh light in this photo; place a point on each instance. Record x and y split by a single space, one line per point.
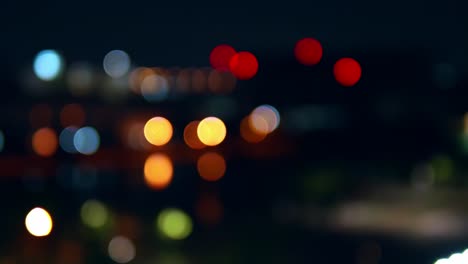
2 140
86 140
47 65
66 139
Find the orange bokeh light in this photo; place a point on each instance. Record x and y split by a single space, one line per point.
72 115
158 171
248 133
137 76
220 57
158 131
45 142
308 51
132 134
221 82
347 71
199 80
243 65
191 137
211 166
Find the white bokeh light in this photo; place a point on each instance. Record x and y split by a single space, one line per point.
456 258
116 63
121 249
38 222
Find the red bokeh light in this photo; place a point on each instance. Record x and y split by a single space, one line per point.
308 51
244 65
220 57
347 71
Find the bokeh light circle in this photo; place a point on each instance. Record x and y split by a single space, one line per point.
243 65
211 131
209 209
2 140
121 249
264 119
48 65
221 82
347 72
66 139
308 51
158 171
72 115
220 57
249 134
86 140
94 214
174 224
38 222
116 63
41 116
158 131
45 142
211 166
80 78
154 88
191 137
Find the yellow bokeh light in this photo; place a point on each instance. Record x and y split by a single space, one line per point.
158 131
211 131
158 171
38 222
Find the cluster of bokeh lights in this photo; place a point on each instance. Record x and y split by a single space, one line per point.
262 121
243 65
154 86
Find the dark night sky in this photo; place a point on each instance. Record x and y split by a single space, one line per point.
183 32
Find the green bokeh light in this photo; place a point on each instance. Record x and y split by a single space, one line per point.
94 214
174 224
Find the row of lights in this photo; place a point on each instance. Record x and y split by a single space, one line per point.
158 131
154 84
308 51
211 131
84 140
170 223
48 64
158 169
